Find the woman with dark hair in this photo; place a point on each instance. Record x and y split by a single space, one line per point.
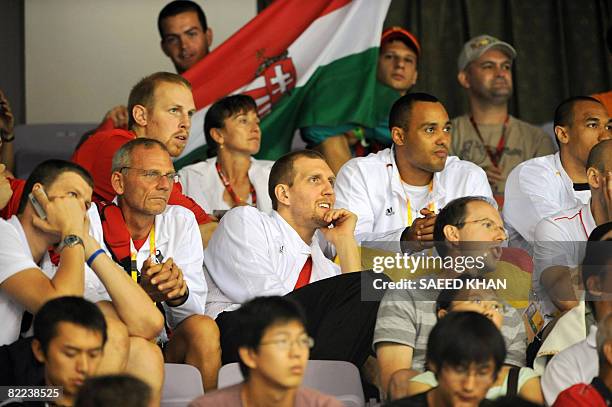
230 176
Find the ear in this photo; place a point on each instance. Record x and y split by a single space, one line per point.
209 36
593 286
442 313
282 193
451 233
562 134
37 350
164 48
217 135
397 135
593 178
139 113
607 350
117 182
462 77
247 356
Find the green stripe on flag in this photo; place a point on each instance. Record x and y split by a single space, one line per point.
344 91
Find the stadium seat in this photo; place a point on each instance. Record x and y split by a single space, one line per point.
337 378
35 143
182 384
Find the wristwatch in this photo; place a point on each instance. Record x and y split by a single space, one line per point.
70 241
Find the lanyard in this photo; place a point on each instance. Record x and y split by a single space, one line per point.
134 272
237 200
431 205
494 155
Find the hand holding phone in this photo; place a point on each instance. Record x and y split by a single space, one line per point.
61 215
38 208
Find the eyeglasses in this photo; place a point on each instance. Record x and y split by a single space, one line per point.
460 373
486 223
303 342
154 175
489 305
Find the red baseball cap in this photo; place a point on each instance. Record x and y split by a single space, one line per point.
394 33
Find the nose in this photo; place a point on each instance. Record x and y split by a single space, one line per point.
469 382
164 183
185 122
501 234
82 364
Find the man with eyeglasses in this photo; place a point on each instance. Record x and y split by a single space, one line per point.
160 107
158 245
488 135
560 240
274 347
466 227
465 367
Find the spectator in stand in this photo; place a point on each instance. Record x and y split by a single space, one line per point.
68 342
599 392
397 69
116 390
560 240
274 346
160 106
406 317
543 186
465 350
488 135
579 362
185 39
7 134
231 176
511 380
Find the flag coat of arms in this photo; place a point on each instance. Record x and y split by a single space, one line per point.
305 63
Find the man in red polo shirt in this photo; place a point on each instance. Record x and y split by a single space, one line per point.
160 107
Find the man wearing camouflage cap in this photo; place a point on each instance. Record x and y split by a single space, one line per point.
487 135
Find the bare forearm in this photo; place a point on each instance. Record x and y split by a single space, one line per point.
348 255
206 231
69 279
7 156
132 304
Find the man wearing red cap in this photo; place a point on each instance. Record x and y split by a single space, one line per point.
487 135
397 68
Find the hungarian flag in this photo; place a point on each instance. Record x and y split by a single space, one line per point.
305 63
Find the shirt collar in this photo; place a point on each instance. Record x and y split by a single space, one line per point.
591 339
438 190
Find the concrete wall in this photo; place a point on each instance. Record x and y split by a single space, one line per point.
83 56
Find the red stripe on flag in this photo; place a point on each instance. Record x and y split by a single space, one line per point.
334 5
234 63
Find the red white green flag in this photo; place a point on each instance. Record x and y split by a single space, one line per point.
304 62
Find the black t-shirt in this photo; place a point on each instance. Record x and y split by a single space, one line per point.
420 400
19 366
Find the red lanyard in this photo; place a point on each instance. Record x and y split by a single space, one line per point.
494 155
237 200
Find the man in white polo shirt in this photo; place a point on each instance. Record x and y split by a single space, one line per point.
560 239
255 254
397 192
543 186
579 362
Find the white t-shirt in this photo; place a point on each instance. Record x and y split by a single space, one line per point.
419 197
577 364
15 256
